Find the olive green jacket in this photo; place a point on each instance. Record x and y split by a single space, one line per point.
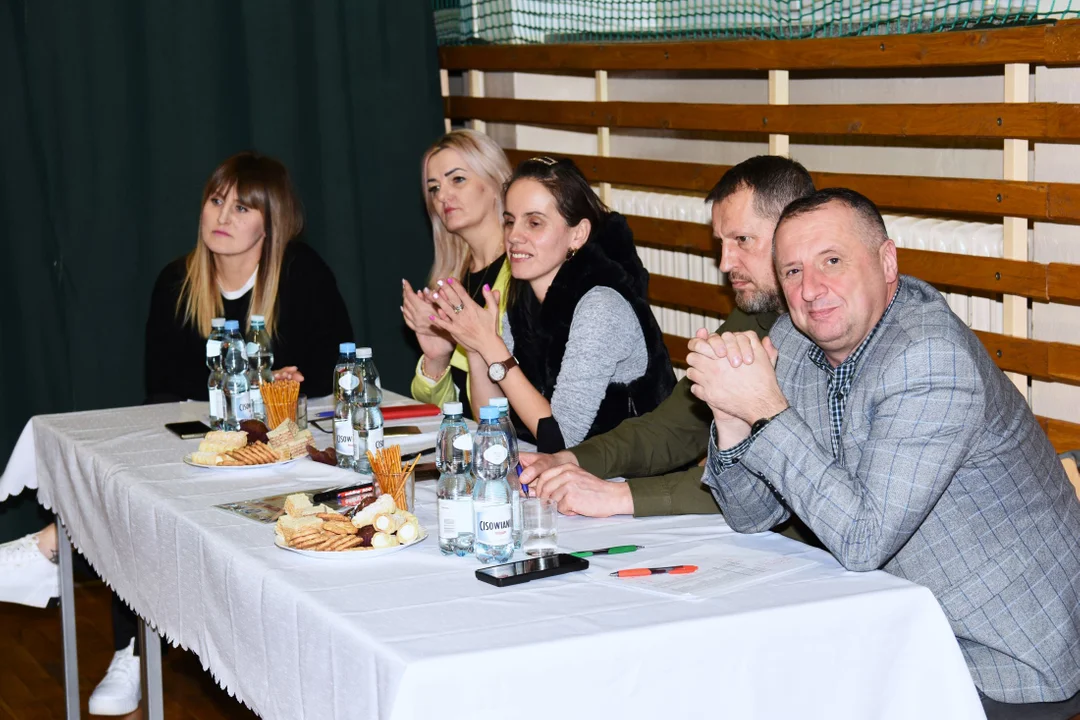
652 450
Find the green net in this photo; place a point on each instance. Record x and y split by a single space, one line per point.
589 21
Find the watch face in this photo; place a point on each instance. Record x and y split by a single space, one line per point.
496 371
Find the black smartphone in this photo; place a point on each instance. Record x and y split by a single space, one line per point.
531 569
188 430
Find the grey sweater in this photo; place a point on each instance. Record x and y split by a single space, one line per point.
605 346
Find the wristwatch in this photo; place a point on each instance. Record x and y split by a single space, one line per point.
759 425
497 370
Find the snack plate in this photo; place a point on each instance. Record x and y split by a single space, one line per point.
187 459
351 554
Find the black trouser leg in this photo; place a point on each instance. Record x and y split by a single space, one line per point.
125 624
1033 711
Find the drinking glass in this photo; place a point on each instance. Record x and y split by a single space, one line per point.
301 411
539 525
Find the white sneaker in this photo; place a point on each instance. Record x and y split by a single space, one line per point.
26 576
120 691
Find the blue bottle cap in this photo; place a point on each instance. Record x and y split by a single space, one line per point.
346 348
500 402
232 324
489 412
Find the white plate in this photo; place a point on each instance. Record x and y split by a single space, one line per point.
187 459
352 554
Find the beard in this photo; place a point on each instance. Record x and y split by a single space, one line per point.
755 300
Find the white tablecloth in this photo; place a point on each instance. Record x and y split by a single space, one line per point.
415 635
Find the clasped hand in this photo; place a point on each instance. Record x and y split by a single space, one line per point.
735 373
474 327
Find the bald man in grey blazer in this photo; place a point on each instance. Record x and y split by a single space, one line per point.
875 415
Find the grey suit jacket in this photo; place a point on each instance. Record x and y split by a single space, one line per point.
947 481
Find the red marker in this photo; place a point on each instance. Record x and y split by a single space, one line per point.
642 572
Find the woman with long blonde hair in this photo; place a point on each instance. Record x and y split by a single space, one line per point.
462 176
247 261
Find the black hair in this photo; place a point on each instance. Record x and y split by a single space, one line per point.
774 180
574 198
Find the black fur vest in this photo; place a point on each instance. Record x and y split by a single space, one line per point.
540 332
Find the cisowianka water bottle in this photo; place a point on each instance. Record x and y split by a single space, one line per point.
235 382
259 373
367 419
214 383
217 329
455 486
346 361
512 473
344 412
492 511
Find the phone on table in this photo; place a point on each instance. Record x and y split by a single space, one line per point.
531 569
190 430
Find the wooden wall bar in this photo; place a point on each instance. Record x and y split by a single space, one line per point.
1050 45
1051 202
1057 44
1034 121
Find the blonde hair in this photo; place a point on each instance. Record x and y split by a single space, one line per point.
485 158
262 183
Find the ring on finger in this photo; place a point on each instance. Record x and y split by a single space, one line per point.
457 308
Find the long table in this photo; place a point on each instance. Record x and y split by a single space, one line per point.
415 635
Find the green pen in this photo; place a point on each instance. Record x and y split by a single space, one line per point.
617 550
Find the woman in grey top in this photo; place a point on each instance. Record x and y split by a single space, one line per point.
580 349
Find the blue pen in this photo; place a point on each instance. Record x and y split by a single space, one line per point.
325 414
524 487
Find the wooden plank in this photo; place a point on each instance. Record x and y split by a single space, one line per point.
893 192
689 294
1064 436
1063 282
948 270
676 347
1017 355
673 235
1041 44
1036 121
967 272
1063 362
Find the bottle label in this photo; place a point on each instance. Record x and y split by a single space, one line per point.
256 400
496 454
213 348
242 406
494 523
463 442
358 446
455 518
348 382
343 437
375 439
217 403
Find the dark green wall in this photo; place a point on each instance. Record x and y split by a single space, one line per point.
112 115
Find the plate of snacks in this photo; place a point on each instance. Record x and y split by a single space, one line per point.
251 446
376 528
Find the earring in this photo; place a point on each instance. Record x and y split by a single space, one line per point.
570 253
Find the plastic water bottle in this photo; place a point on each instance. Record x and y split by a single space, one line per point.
258 373
512 474
493 525
214 383
345 362
367 424
344 412
455 486
235 382
453 426
257 334
368 371
217 329
232 332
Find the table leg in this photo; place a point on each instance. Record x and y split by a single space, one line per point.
150 663
67 621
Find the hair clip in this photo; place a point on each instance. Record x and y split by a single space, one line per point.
549 161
